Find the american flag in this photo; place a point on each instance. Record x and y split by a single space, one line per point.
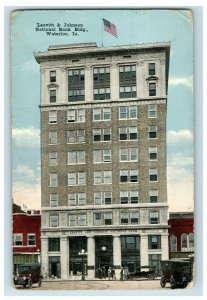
110 28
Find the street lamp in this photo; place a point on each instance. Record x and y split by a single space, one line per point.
82 253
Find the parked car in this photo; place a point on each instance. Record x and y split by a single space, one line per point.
176 272
147 272
27 275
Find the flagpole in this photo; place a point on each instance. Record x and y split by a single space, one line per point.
102 31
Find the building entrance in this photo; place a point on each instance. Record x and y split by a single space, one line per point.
104 255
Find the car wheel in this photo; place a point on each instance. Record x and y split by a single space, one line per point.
30 283
150 277
162 282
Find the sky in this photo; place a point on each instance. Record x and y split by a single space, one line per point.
133 27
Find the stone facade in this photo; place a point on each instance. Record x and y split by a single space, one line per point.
54 159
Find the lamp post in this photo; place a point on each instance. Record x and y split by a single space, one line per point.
82 253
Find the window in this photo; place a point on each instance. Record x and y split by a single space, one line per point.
53 200
97 219
153 195
53 179
101 83
128 112
81 178
53 158
53 244
127 81
127 92
152 132
107 218
52 96
184 242
154 260
153 175
71 115
53 117
31 240
154 215
18 239
102 177
123 176
76 178
76 157
76 85
152 111
128 197
53 137
102 198
81 199
82 220
106 114
152 153
130 243
152 89
107 198
103 135
76 136
72 220
72 178
128 154
151 68
128 176
154 242
134 218
100 156
76 115
127 133
72 199
124 197
123 112
124 218
52 76
101 94
173 243
134 197
187 242
102 218
54 220
133 176
191 241
98 198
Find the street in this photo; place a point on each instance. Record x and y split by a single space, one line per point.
98 285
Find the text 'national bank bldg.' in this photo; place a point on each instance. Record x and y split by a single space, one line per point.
103 155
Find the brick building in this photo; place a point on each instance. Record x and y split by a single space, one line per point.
103 156
181 234
26 236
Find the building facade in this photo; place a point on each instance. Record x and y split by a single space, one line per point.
103 155
181 235
26 237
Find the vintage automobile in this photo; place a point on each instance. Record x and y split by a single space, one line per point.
27 275
148 272
176 272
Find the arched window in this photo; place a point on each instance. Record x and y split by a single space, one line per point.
191 241
173 243
184 242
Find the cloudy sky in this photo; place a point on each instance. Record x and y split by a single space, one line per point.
133 27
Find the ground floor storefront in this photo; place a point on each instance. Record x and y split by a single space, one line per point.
69 254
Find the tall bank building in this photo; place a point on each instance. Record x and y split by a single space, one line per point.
103 157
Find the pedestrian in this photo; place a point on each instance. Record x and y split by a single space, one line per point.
104 272
109 273
112 273
121 274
